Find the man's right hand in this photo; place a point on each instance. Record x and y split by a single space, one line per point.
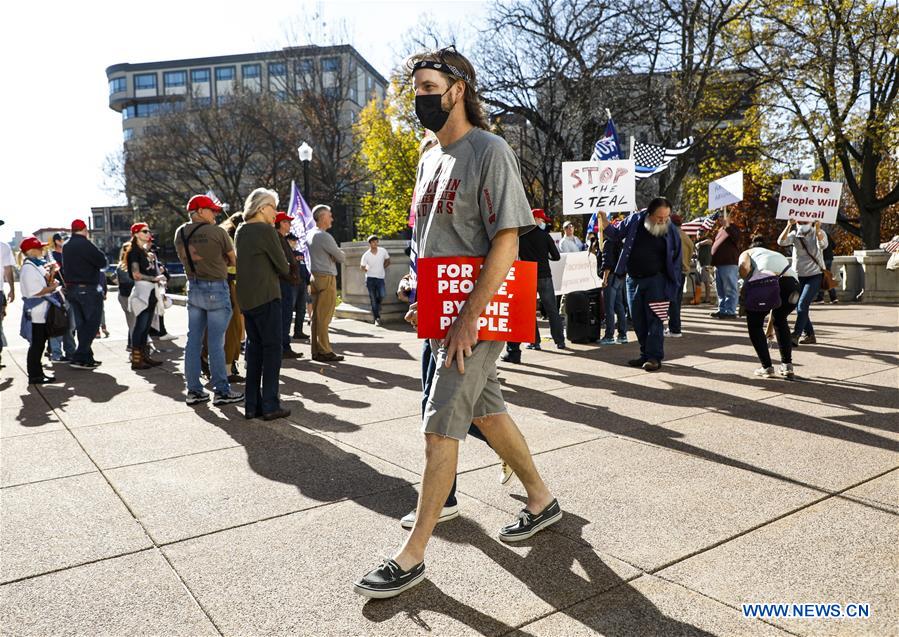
412 315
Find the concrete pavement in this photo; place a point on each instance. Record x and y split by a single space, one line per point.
687 492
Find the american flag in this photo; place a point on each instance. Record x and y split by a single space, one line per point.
660 309
302 222
702 224
650 159
890 246
215 200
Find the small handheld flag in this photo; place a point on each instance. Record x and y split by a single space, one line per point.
651 159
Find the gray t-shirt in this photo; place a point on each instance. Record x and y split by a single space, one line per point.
465 193
324 253
808 252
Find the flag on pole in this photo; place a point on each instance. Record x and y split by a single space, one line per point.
702 224
651 159
302 223
215 200
660 309
607 146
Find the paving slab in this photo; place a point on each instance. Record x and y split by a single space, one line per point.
85 412
645 504
149 439
60 523
837 551
42 456
348 410
649 606
279 469
784 443
271 577
131 595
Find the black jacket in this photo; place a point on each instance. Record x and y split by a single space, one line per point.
539 247
82 261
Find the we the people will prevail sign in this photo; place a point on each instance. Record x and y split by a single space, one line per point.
805 200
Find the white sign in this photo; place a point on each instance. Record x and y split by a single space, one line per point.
806 200
556 236
575 271
591 186
726 191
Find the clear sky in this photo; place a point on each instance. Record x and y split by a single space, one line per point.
56 126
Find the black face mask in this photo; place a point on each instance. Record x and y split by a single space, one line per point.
430 111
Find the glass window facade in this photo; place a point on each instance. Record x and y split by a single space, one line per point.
198 76
251 71
129 135
330 65
174 78
277 69
202 102
145 81
118 85
224 74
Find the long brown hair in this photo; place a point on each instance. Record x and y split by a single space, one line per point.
451 57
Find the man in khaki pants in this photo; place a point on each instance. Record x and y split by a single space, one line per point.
324 256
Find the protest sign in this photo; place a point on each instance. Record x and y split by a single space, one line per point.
726 191
556 237
444 284
574 272
805 200
590 186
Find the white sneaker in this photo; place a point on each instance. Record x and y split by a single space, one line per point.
764 372
448 513
506 473
167 337
786 370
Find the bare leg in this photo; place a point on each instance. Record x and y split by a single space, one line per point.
504 436
441 456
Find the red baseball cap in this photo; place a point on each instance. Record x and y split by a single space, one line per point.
202 201
539 213
137 227
282 216
78 225
30 243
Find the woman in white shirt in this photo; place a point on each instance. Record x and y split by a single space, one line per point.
760 260
36 283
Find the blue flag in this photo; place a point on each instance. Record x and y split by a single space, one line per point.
302 222
607 147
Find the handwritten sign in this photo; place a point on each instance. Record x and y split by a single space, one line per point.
805 200
574 272
726 191
444 284
591 186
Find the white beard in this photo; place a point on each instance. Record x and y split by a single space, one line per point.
656 229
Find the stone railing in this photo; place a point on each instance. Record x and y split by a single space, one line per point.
866 271
354 295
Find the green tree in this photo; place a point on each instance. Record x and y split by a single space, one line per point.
388 135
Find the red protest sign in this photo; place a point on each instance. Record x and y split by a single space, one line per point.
444 284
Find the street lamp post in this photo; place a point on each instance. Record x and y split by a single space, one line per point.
305 153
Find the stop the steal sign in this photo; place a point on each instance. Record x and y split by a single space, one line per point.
444 284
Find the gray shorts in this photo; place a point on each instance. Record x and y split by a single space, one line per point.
455 399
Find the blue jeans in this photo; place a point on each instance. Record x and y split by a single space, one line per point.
428 369
726 287
376 293
142 324
648 326
613 297
287 292
809 287
547 295
674 307
263 358
209 312
86 305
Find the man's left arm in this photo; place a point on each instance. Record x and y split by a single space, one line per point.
463 333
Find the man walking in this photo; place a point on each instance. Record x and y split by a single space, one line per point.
469 202
725 257
374 263
82 263
651 259
206 251
538 246
288 283
325 255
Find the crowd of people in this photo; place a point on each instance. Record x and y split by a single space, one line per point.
250 285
